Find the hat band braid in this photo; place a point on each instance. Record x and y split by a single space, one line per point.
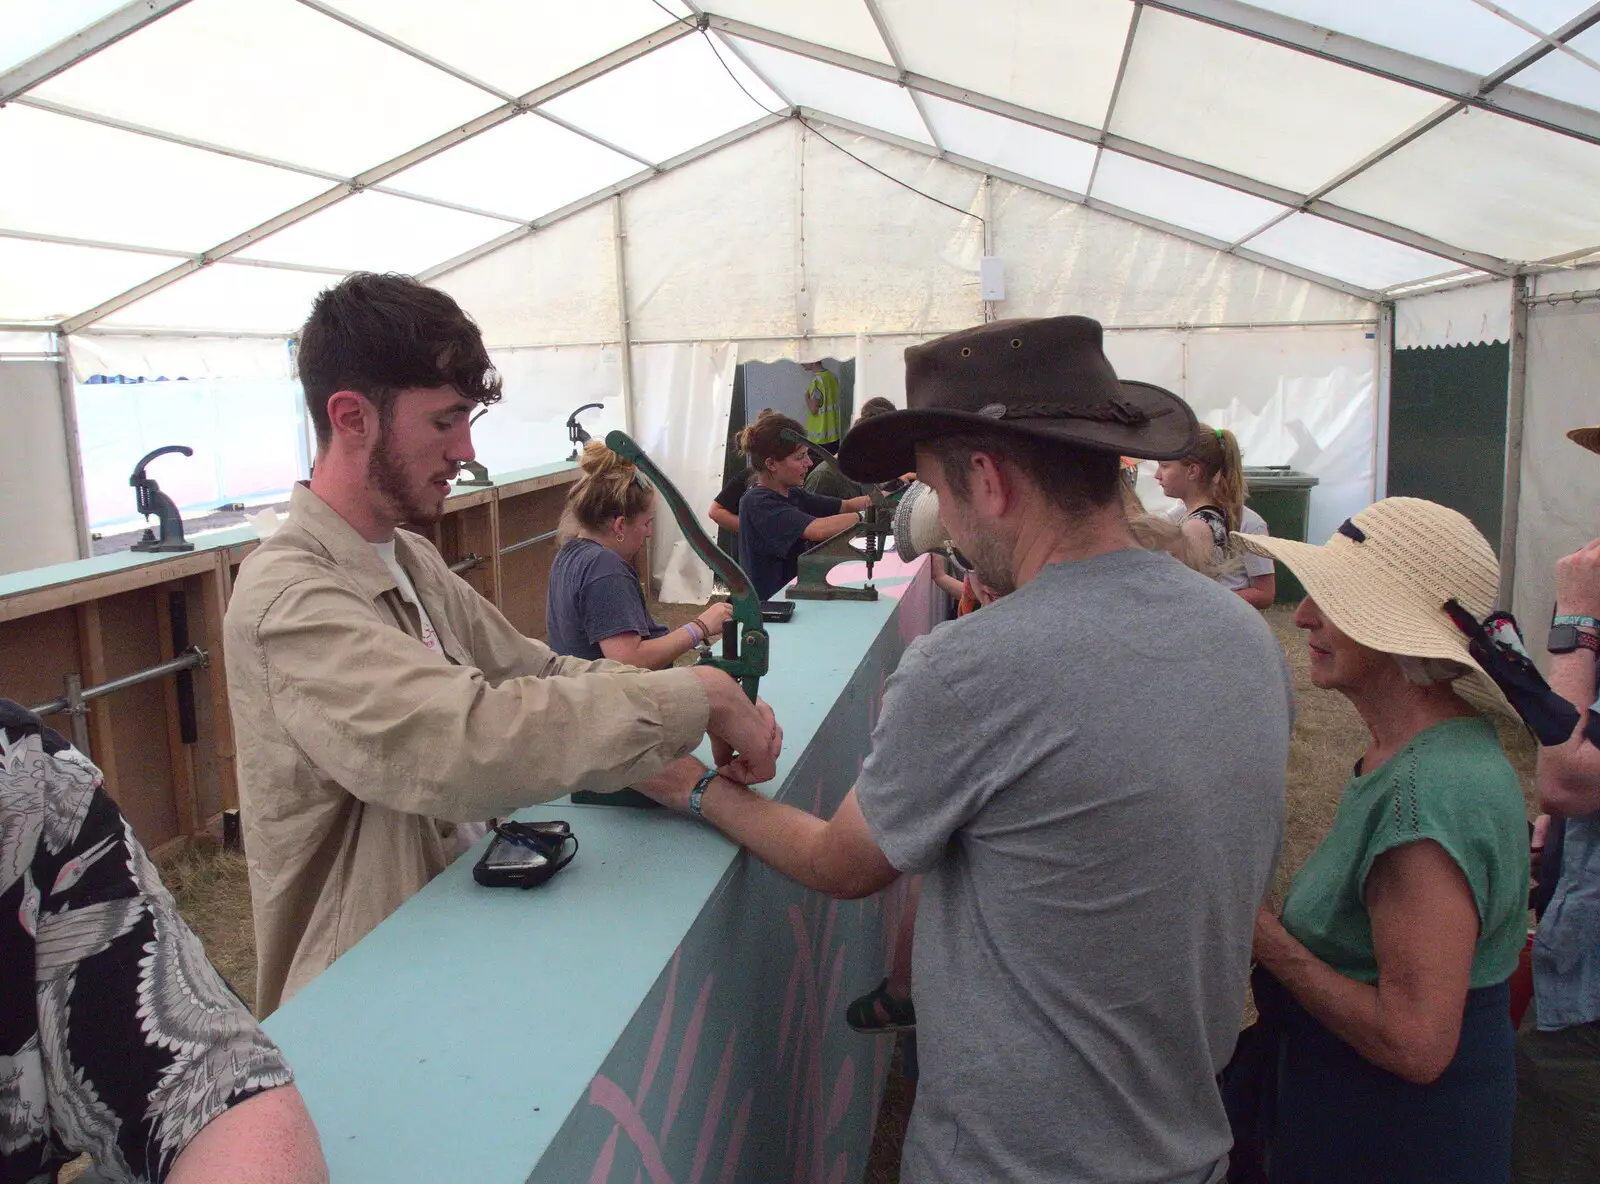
1107 411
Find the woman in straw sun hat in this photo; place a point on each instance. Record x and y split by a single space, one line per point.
1385 980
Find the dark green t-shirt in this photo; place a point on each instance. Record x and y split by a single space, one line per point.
1451 784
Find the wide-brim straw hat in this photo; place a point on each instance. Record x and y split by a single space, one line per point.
1586 438
1384 577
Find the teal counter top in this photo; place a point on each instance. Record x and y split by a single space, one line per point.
463 1034
101 565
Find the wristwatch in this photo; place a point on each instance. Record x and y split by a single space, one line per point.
1570 631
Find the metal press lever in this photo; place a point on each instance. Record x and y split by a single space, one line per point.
744 637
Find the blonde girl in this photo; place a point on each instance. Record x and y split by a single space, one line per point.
595 607
1210 483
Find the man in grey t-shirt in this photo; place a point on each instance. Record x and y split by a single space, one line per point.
1089 773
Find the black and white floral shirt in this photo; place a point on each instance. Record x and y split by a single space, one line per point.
117 1036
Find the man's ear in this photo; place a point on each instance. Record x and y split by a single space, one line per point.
352 416
992 485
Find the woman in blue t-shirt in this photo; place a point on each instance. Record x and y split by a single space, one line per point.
778 519
595 607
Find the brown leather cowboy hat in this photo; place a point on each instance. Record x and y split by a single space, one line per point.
1044 377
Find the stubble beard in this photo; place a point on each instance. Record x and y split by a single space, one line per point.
386 475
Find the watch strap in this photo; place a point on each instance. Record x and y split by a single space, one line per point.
699 791
1588 641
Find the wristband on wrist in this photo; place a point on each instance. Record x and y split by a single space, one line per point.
1588 641
699 791
1577 619
695 636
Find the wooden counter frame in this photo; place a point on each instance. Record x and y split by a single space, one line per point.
108 617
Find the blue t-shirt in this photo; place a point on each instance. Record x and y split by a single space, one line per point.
772 530
1566 952
594 595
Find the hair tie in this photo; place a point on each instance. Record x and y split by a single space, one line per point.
1218 431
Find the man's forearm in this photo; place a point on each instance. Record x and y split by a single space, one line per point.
1569 774
785 839
780 836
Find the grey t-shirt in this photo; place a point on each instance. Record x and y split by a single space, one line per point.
594 595
1090 773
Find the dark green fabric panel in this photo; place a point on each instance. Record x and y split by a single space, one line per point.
1447 429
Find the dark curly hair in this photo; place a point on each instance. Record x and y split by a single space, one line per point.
378 335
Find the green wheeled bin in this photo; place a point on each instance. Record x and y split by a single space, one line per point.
1283 498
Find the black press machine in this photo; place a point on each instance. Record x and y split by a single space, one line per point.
152 501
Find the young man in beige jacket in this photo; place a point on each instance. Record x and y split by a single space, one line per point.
376 696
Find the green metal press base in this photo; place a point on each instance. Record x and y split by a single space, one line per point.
829 592
630 798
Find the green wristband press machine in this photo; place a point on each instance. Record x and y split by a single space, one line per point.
814 565
744 637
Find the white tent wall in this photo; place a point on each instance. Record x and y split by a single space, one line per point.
1560 497
233 400
683 395
35 474
1463 316
539 389
554 287
877 256
712 248
1062 257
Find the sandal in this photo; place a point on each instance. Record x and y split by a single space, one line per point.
866 1014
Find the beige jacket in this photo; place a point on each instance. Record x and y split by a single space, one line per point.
354 738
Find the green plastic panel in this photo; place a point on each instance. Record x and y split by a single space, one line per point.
1447 429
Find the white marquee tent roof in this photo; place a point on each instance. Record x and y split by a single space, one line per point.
211 163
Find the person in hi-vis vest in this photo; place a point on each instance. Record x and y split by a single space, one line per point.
822 406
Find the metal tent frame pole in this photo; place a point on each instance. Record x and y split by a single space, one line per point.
1516 390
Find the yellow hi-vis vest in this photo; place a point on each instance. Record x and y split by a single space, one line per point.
822 426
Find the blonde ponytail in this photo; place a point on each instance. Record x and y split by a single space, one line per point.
610 488
1216 451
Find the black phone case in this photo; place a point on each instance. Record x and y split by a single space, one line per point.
518 877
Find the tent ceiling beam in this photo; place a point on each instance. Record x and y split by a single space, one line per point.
1382 153
106 31
733 48
252 158
98 244
163 252
765 78
439 64
1446 81
1093 203
594 139
1090 135
882 25
372 176
395 43
1116 90
1546 45
583 203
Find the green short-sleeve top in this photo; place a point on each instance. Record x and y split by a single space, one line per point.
1451 784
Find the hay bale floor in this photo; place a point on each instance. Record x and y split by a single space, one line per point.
214 893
